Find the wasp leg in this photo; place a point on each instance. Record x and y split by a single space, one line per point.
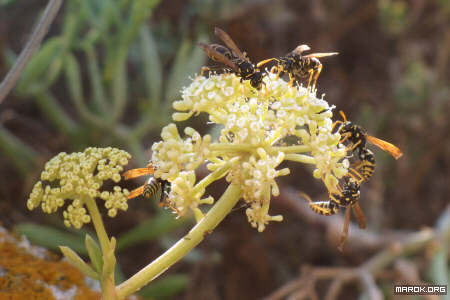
316 76
311 72
291 80
204 70
346 137
353 147
335 123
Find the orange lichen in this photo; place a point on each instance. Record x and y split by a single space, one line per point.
24 275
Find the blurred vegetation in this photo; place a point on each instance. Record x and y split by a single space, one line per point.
129 72
106 75
116 92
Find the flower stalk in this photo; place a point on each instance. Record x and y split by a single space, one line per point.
107 279
214 216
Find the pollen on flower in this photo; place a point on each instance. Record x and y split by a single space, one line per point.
255 128
77 177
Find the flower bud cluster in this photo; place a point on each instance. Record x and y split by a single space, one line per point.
173 154
258 131
77 177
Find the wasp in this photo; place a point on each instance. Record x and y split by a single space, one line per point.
363 170
358 138
151 187
233 58
297 65
348 197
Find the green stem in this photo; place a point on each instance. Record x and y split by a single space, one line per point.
214 216
98 224
301 158
106 282
216 175
292 149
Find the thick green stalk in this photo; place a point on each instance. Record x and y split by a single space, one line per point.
107 283
214 216
98 224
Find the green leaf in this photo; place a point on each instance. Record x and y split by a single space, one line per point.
23 157
151 66
51 238
165 288
44 67
95 79
78 262
73 76
149 230
119 90
94 252
438 268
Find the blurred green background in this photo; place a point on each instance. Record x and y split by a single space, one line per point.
108 71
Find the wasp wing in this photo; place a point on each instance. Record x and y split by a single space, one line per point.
386 146
321 54
300 49
344 233
213 54
133 173
230 43
360 218
136 192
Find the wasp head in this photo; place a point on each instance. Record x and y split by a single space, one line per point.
257 80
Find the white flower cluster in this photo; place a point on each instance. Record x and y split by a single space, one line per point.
173 154
260 129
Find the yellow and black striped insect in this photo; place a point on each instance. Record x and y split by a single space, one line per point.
363 170
151 187
298 66
347 197
234 59
358 138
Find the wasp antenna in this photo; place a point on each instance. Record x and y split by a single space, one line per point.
343 115
263 62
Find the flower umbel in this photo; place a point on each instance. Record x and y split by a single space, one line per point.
79 176
258 131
